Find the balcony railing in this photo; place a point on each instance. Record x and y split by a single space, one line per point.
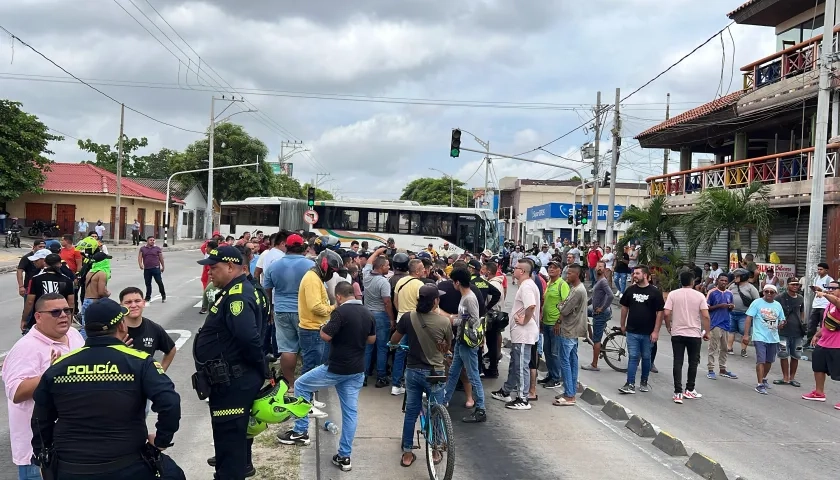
785 167
792 61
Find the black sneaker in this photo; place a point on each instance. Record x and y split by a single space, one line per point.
553 384
211 461
491 374
478 416
293 438
543 381
501 395
518 404
644 387
382 382
627 389
342 462
653 369
250 471
364 384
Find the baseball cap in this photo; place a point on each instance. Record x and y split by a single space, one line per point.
294 240
217 233
771 287
103 315
54 247
553 263
475 264
430 291
364 254
223 254
424 255
349 254
487 252
793 281
39 255
391 240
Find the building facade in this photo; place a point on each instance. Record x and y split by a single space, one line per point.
191 214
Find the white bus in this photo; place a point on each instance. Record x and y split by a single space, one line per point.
411 225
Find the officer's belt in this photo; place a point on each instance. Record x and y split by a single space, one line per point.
98 468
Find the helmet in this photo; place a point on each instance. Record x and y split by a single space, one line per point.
537 263
328 262
87 245
255 427
273 406
325 242
400 262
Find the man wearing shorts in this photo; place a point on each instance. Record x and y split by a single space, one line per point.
743 294
826 358
791 332
763 319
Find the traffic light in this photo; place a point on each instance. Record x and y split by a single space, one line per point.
577 217
606 182
455 145
584 214
310 197
571 219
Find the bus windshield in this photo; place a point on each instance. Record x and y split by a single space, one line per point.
491 241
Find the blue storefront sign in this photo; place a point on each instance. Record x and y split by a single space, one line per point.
563 210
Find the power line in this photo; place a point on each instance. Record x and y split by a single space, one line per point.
63 134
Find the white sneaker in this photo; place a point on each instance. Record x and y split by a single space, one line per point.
318 413
317 404
397 391
692 394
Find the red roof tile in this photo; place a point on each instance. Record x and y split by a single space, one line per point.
86 178
695 113
745 5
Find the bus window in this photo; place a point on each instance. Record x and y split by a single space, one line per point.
350 219
405 221
268 215
371 221
466 237
415 223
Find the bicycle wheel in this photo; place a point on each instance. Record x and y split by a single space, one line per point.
440 444
614 351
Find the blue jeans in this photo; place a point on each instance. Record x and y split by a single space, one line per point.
347 387
551 348
398 368
737 322
599 323
519 374
29 472
592 276
383 335
638 348
311 349
466 357
620 282
569 365
415 385
86 303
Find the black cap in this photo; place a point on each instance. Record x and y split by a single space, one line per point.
99 256
430 291
104 315
223 254
364 254
349 254
475 264
54 247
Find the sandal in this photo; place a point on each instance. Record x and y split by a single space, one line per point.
794 383
534 398
402 462
780 382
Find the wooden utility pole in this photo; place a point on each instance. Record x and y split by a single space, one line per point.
117 217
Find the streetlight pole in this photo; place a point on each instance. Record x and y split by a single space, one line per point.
451 186
209 220
486 146
169 182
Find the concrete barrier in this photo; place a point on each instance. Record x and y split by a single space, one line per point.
706 467
640 427
615 411
592 397
670 445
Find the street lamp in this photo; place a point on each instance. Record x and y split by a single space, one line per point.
486 146
451 185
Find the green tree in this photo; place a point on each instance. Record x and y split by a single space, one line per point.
652 226
436 191
718 210
23 146
106 156
154 165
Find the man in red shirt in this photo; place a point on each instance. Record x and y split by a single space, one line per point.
592 258
68 253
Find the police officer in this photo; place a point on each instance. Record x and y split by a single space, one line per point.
230 365
89 419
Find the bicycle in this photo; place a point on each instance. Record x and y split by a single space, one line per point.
437 430
613 347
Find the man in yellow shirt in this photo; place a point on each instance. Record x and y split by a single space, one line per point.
314 309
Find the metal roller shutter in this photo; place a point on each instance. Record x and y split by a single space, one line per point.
718 254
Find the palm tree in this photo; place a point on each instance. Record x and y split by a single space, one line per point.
652 226
720 209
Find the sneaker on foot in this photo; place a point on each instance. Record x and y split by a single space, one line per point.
543 381
678 398
728 375
711 375
590 368
382 382
250 471
744 352
293 438
837 407
814 396
553 384
397 391
730 352
760 388
315 412
478 416
317 404
653 369
627 389
644 387
692 394
766 385
501 395
518 404
342 462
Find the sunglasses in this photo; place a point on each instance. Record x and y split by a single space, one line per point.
58 312
831 288
769 292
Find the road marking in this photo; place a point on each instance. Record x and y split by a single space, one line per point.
184 336
198 305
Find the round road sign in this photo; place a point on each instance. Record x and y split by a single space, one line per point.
310 217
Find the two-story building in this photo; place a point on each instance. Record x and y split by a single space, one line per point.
763 132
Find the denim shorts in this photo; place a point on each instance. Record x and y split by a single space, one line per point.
288 339
790 347
737 321
599 324
765 352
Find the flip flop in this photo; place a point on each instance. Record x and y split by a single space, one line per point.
534 398
403 464
780 382
794 383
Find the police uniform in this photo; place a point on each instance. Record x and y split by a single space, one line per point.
229 358
96 396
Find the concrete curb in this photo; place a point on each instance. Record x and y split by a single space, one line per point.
615 411
592 397
640 427
706 467
670 444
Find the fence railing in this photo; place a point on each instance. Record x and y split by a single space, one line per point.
794 60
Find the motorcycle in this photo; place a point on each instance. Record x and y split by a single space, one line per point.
40 228
13 236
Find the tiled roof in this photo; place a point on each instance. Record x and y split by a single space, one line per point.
695 113
86 178
177 189
745 5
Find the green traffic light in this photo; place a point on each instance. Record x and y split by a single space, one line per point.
454 152
584 221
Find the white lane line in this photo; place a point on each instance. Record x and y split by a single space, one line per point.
153 299
184 336
197 305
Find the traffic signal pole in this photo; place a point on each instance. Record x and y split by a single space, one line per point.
593 227
616 145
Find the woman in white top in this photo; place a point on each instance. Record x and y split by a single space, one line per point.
609 260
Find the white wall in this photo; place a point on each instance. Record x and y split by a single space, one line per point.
194 202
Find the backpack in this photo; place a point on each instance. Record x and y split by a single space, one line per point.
473 336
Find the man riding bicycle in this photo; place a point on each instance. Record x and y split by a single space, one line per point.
429 337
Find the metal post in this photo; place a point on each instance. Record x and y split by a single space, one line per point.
667 152
117 219
486 173
209 219
815 218
616 145
451 191
593 227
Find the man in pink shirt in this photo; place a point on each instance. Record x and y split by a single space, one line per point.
687 320
30 357
825 361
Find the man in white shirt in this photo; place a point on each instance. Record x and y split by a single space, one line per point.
276 252
713 275
82 229
575 251
544 256
820 303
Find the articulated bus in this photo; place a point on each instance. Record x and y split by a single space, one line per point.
411 225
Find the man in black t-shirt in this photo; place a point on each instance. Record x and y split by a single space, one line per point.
50 280
146 335
642 307
26 269
350 330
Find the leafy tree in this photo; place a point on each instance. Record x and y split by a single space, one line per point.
436 191
107 156
23 146
652 226
575 178
719 209
155 165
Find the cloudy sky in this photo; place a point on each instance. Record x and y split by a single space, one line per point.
407 72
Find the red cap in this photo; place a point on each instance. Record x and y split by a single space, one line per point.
294 240
217 233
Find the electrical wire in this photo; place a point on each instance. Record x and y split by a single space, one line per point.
63 134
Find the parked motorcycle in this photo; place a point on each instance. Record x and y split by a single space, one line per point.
13 236
40 228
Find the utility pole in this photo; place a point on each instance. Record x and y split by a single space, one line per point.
117 219
210 212
593 226
318 178
487 176
667 152
815 218
616 145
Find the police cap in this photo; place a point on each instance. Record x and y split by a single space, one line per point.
222 254
104 315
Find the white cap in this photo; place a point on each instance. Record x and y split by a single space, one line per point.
39 255
771 287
